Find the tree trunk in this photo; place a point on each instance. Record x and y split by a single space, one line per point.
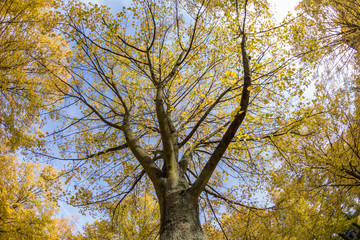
180 217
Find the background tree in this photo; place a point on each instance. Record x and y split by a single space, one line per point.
28 43
337 21
28 201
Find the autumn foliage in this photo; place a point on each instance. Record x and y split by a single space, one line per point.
180 119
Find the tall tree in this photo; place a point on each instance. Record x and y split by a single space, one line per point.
169 91
28 42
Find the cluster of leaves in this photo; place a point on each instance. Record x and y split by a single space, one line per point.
136 218
29 52
28 201
29 56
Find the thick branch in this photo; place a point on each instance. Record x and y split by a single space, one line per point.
219 151
166 138
153 171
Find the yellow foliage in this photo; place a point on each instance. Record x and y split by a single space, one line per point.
30 54
28 201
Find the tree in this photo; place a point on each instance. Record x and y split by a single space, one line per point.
337 20
315 185
28 43
167 91
28 201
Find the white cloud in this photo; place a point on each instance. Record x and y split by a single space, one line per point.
282 7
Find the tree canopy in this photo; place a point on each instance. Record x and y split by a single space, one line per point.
28 191
181 119
28 42
28 201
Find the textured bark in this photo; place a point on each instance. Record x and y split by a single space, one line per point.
180 217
